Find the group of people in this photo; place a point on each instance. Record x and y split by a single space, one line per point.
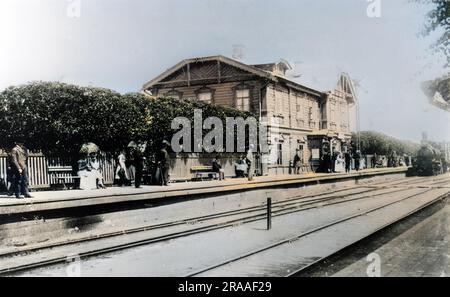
17 172
245 166
338 162
131 161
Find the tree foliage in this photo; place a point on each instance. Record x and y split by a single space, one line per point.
438 19
58 118
381 144
161 111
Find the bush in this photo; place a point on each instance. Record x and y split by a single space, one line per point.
58 118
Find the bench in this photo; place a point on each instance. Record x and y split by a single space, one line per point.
303 168
66 180
306 168
204 172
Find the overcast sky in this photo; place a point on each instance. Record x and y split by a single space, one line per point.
121 44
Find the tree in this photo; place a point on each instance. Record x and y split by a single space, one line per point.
381 144
439 19
58 118
159 113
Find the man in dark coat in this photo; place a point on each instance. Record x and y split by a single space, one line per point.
297 162
138 162
333 160
348 161
326 162
19 168
357 160
163 161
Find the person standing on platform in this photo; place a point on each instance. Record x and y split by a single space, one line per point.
357 160
163 161
137 162
297 162
333 161
340 164
250 164
326 162
19 162
348 162
122 176
374 160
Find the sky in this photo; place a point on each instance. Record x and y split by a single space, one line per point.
121 44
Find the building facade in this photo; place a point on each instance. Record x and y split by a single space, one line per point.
299 119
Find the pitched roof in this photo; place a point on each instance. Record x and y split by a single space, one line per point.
254 69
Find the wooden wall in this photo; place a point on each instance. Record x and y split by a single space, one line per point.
224 94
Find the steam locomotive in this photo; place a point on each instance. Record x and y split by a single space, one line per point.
428 162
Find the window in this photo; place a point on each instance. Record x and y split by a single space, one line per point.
243 99
174 94
278 120
279 154
205 96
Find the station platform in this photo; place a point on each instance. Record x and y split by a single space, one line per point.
57 200
183 239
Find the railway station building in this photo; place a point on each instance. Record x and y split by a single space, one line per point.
300 119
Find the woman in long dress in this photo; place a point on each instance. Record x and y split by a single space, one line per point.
122 175
340 163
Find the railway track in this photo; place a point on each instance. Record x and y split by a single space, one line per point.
232 218
281 243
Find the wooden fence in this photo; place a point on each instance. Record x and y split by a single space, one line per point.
39 176
180 168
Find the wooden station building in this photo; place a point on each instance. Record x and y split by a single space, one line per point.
300 119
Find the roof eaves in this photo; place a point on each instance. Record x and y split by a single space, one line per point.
220 58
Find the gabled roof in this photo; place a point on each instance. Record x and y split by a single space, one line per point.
347 86
258 71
